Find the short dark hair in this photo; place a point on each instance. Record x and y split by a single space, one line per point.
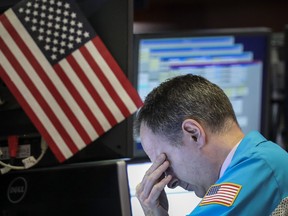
183 97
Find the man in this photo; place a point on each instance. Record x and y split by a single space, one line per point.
189 131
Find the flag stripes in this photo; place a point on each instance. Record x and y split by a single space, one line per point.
115 78
25 72
24 95
72 102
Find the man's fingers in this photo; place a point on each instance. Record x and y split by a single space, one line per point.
150 179
158 189
152 201
160 159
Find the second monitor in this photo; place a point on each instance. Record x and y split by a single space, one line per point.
235 59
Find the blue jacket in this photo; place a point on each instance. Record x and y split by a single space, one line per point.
258 174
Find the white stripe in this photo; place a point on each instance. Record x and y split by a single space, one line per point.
56 80
69 71
57 138
41 87
111 77
98 86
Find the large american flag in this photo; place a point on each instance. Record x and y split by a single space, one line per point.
223 194
62 74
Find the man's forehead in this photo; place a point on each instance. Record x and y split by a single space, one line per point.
150 142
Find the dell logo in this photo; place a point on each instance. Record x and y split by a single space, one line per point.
17 190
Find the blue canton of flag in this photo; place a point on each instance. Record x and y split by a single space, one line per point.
222 194
62 74
56 26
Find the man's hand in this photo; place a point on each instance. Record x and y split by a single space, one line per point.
150 192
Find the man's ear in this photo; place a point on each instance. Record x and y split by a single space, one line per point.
193 131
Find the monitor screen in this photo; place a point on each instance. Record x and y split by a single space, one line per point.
235 59
181 202
86 189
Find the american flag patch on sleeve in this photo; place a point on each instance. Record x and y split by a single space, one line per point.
222 194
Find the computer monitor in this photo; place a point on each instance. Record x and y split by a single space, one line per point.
181 202
112 20
86 189
235 59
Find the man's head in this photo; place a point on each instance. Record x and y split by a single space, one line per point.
175 120
185 97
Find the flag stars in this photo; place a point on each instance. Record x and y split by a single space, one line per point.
49 24
55 41
34 28
64 28
62 51
41 30
54 49
48 40
27 19
80 25
27 11
36 5
71 38
79 32
51 9
29 4
86 34
47 47
58 19
63 36
66 13
70 45
78 40
53 57
73 15
63 43
40 38
50 17
72 23
72 30
43 7
54 25
67 6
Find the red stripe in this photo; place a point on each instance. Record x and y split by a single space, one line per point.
40 71
219 197
217 201
31 86
94 94
98 72
45 134
79 99
131 91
